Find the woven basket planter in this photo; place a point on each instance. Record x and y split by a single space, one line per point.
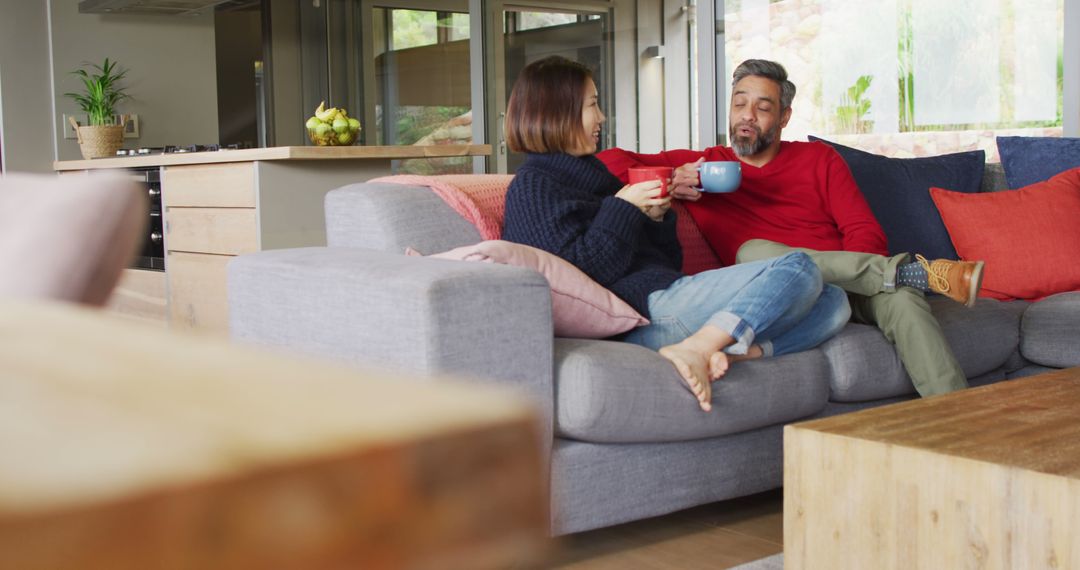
100 141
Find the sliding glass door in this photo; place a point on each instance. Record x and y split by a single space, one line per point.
416 77
533 31
426 72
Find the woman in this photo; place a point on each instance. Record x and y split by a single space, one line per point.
563 200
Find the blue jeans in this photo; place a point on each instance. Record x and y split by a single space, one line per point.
779 304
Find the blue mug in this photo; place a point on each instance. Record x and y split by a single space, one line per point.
720 176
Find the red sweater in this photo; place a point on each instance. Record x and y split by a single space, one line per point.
804 197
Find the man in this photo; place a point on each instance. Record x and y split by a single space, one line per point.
802 195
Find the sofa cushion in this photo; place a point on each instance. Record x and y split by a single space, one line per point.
615 392
1050 331
1028 160
580 307
865 365
1029 238
993 179
898 191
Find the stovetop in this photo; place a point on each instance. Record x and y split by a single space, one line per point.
170 149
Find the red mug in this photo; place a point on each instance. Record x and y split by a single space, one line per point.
645 173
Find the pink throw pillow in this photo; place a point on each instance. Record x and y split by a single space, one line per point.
69 237
580 307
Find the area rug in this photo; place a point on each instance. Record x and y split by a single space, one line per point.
774 562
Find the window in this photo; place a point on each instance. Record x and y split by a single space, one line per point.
910 77
423 92
534 20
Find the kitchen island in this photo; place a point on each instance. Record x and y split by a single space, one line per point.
216 205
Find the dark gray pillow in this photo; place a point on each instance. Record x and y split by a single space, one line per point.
1028 160
898 191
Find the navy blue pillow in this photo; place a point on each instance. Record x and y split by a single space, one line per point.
1028 160
898 191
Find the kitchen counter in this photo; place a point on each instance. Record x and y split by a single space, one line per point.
216 205
278 153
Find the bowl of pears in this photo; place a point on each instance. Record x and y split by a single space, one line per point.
332 127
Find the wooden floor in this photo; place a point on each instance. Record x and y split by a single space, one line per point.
715 536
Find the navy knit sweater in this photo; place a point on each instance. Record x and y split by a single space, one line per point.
566 205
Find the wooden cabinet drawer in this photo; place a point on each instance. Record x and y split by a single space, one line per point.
230 185
226 231
140 295
197 295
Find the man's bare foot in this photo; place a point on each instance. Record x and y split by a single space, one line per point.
694 368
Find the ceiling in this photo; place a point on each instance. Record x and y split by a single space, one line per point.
162 7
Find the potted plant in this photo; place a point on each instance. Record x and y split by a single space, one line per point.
101 92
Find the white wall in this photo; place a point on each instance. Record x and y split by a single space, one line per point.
171 71
26 140
652 87
288 112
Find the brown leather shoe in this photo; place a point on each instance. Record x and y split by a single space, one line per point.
957 280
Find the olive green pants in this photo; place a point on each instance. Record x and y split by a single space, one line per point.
902 314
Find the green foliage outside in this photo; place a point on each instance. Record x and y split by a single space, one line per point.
412 28
905 66
415 123
415 28
854 107
535 20
906 84
101 92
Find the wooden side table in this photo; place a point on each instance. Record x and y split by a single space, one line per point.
983 478
127 446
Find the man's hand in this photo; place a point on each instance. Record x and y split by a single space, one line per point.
685 181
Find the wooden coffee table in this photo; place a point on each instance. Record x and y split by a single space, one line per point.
984 478
124 446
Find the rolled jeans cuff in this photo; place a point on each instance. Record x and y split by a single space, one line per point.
737 328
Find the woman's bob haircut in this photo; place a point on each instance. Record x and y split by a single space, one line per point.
544 112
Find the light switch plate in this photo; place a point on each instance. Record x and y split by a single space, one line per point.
131 128
69 131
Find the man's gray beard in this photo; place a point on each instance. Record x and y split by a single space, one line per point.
744 147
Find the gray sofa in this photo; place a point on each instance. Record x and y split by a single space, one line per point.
627 440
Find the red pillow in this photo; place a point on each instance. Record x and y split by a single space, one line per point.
1029 238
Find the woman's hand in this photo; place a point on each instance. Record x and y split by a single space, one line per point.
685 181
656 213
644 196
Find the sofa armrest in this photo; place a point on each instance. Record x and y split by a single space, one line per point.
390 217
417 314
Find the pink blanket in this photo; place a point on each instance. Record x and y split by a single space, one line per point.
479 198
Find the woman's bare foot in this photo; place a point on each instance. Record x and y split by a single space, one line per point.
755 351
718 364
694 368
699 360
